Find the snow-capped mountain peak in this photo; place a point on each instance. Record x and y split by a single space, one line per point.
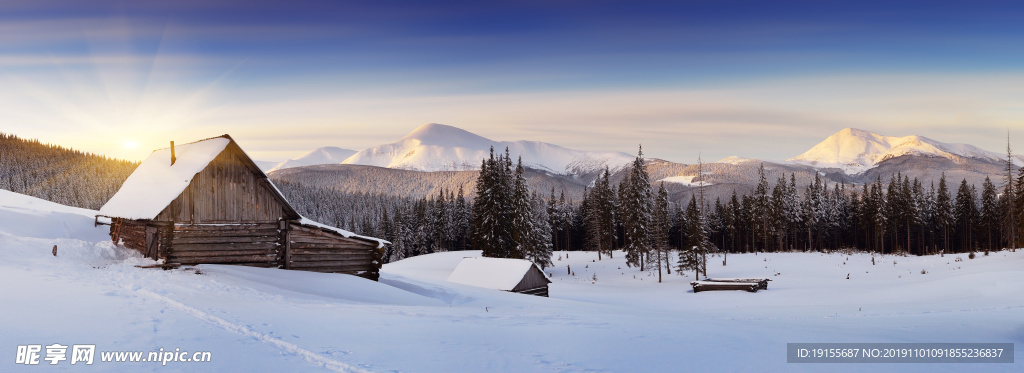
439 147
855 151
443 135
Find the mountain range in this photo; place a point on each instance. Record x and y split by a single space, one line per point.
437 147
436 156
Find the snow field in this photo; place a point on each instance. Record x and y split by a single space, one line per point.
414 321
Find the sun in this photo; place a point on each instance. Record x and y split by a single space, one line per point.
130 144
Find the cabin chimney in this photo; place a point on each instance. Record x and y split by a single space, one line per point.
173 158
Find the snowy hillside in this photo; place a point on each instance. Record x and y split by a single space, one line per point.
437 147
26 216
324 155
735 160
602 315
855 151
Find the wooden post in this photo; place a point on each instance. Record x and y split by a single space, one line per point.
173 158
151 244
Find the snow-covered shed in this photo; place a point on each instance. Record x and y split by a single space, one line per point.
207 202
515 275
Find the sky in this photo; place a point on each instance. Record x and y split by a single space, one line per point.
757 79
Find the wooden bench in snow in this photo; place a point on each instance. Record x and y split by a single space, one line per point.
699 286
762 283
514 275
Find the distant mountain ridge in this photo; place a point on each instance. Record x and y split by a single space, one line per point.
436 156
856 151
324 155
438 147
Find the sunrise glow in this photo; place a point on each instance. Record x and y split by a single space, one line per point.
288 80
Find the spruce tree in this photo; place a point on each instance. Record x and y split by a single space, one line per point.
762 210
910 207
920 217
778 222
540 250
689 258
636 212
660 228
491 223
1018 207
964 216
462 221
944 211
989 213
791 209
591 235
603 203
698 246
735 221
522 215
1011 195
483 227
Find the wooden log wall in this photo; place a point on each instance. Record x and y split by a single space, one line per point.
147 237
266 244
317 250
130 233
254 244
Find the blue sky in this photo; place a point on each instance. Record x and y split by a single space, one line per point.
757 79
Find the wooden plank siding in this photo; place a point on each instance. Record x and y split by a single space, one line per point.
228 190
534 283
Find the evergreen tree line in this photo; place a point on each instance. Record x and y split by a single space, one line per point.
901 216
506 219
62 175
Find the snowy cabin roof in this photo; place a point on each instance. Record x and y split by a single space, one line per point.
156 183
494 273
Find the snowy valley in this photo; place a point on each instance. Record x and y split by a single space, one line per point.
601 316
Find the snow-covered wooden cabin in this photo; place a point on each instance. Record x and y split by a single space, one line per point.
515 275
207 202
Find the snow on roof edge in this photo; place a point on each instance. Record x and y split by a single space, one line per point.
308 222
